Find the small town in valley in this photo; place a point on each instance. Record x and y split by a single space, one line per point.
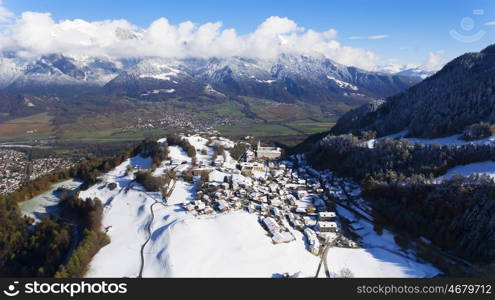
17 168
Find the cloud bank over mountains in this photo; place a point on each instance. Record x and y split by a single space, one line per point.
33 34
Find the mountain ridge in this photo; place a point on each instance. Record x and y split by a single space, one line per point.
289 78
459 95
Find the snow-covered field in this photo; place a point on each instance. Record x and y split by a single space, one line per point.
176 152
379 257
486 167
200 144
46 203
226 245
230 244
449 140
182 245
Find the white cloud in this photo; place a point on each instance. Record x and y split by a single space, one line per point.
491 23
5 14
372 37
33 34
379 37
434 61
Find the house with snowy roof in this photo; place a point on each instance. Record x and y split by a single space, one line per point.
327 216
271 224
268 152
324 226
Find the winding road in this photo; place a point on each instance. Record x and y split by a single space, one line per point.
324 261
148 227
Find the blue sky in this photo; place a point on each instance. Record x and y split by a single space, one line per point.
414 28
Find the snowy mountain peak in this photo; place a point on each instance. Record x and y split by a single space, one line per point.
9 71
410 70
288 78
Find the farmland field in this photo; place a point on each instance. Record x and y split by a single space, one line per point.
274 121
32 127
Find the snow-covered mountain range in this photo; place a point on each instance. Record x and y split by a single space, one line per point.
409 70
288 78
55 71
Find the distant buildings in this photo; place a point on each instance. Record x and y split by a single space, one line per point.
14 166
268 152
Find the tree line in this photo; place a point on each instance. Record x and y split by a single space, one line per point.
150 148
457 215
45 249
176 140
87 216
350 156
400 180
29 249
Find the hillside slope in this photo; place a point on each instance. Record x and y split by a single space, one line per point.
459 95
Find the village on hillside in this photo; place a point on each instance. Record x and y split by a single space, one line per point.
199 204
285 193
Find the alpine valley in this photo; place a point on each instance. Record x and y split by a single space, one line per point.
151 157
293 95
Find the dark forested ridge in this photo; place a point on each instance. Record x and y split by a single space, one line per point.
29 253
399 180
351 157
458 215
461 94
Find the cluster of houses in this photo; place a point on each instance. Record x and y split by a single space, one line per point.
287 198
287 195
15 165
13 171
180 120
